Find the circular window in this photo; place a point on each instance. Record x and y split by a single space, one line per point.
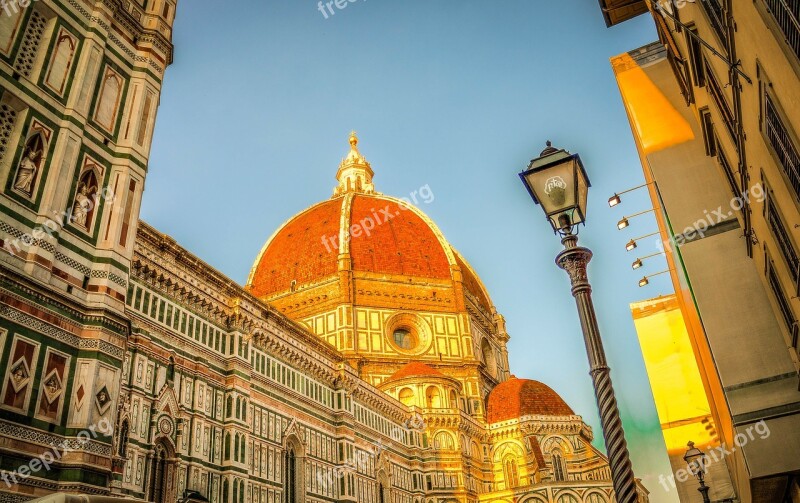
404 338
408 333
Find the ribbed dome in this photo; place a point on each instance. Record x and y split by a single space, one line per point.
365 235
515 398
403 244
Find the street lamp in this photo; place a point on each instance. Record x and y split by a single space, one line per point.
696 460
624 221
639 262
646 279
557 181
616 199
630 245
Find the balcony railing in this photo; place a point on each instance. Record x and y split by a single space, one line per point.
785 244
787 15
783 302
781 141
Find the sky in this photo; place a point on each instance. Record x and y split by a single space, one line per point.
454 95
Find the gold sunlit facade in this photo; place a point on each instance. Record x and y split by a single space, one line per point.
719 149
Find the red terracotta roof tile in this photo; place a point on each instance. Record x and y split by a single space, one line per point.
297 251
522 397
401 242
415 369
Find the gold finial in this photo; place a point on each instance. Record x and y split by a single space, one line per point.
353 139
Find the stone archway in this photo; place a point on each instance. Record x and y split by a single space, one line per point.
162 479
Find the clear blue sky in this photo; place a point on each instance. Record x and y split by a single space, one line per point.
458 95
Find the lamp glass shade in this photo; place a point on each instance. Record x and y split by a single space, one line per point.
695 458
644 282
630 245
614 200
622 223
557 182
637 263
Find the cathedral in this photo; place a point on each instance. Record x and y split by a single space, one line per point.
363 360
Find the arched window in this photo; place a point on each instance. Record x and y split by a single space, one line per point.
229 407
290 475
235 490
381 495
453 400
559 469
238 407
487 356
406 396
476 451
225 491
510 472
567 498
227 446
159 482
61 62
433 398
244 410
108 101
443 441
596 498
122 448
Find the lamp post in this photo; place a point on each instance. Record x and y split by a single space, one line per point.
557 181
696 459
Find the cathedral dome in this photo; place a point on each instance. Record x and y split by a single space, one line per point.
515 398
354 243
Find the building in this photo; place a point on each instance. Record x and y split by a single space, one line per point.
349 369
680 396
714 115
364 360
79 86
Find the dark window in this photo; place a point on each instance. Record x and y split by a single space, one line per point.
728 170
123 439
787 15
696 58
290 475
782 143
709 136
722 103
676 61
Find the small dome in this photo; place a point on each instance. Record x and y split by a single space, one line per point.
515 398
414 369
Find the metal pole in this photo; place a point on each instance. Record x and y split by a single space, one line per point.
703 487
574 260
